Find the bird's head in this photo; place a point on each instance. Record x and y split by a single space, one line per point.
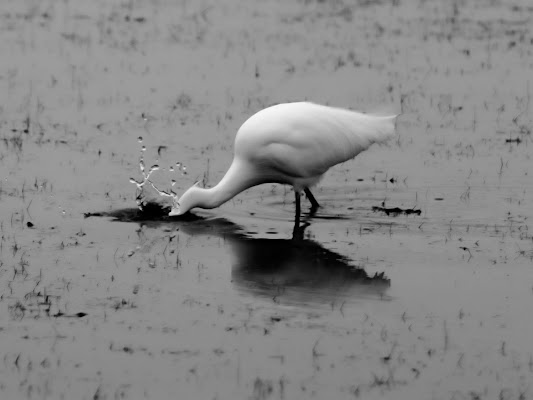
187 201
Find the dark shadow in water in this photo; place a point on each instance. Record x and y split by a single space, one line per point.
300 271
296 270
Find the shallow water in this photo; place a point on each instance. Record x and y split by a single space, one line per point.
233 302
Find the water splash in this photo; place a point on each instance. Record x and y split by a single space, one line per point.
141 196
182 168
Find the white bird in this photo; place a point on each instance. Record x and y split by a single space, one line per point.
294 144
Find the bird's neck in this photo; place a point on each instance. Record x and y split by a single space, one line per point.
239 177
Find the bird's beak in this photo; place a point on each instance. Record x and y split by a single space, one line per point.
174 212
176 209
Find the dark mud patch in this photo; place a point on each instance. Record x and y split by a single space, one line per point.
149 212
395 211
76 315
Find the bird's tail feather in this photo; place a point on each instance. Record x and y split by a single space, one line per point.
381 127
356 132
367 129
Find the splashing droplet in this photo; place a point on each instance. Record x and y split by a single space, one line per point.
143 195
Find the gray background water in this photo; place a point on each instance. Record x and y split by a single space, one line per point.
229 306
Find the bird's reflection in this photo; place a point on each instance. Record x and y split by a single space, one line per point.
300 271
295 270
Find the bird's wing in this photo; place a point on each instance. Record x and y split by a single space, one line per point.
304 139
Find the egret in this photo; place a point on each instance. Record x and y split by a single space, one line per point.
294 144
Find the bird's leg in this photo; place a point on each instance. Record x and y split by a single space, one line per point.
314 203
298 231
297 216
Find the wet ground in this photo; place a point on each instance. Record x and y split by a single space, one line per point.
363 301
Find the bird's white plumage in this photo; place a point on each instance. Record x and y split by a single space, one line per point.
291 143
